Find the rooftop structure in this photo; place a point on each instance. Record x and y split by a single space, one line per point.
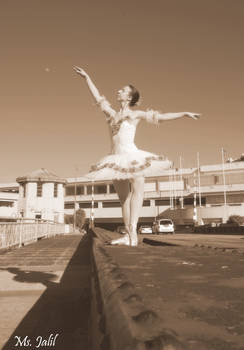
41 175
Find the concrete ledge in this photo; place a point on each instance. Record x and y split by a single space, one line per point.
124 322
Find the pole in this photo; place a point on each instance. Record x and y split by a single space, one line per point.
170 191
224 183
174 189
75 200
92 206
195 201
181 180
199 180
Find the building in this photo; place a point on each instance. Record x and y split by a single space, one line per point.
41 196
216 192
9 194
209 194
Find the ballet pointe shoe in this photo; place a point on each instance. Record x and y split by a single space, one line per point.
125 240
133 236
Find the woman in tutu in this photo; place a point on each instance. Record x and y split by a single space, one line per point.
127 165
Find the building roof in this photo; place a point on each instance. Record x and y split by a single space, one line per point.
8 185
219 167
40 175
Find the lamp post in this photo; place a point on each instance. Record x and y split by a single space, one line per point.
199 180
181 180
75 199
224 184
171 193
92 206
195 201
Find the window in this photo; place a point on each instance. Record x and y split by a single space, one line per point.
146 203
70 190
203 201
111 189
89 189
74 189
111 204
39 189
190 201
55 194
159 202
86 205
98 189
79 189
6 204
24 190
215 199
70 205
216 179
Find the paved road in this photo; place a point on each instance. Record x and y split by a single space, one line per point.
195 283
45 293
232 243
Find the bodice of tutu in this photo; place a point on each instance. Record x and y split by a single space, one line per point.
126 161
123 135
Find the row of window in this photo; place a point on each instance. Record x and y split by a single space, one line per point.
146 203
6 204
232 199
109 204
80 190
205 180
39 189
210 180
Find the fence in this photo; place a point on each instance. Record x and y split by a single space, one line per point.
18 234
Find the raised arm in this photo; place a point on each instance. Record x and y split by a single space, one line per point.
156 117
100 100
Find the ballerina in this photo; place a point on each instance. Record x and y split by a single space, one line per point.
127 165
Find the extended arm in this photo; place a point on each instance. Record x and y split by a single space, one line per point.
170 116
100 100
156 117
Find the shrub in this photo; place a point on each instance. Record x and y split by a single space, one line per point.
80 218
236 219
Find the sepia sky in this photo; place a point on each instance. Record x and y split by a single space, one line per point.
182 55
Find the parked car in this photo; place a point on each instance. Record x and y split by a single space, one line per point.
163 226
121 229
145 229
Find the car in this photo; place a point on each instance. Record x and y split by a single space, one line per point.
163 226
121 229
145 229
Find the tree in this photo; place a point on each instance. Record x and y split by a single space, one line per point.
80 218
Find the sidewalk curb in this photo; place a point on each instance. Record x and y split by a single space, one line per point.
123 320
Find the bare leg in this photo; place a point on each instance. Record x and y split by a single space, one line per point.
136 201
122 188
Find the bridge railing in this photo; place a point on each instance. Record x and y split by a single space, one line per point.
18 234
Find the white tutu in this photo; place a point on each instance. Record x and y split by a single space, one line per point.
126 161
128 165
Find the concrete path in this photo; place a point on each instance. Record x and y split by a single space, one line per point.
45 294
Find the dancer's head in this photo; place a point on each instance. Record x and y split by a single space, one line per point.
129 94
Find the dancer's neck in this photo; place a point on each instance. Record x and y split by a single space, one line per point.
124 107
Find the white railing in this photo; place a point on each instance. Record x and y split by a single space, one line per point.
18 234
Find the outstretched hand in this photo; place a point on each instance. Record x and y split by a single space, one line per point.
194 116
80 71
